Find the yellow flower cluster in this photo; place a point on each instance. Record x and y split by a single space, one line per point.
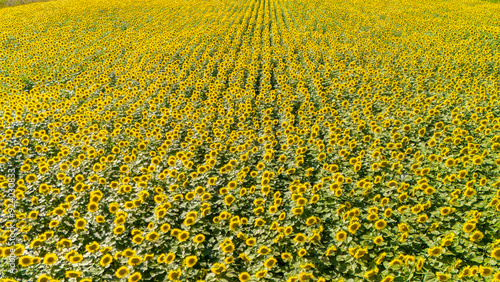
283 140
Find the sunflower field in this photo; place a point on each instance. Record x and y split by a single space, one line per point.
252 140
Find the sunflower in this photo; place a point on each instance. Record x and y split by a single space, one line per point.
229 199
65 243
288 230
380 224
468 227
92 248
33 215
76 259
129 253
218 268
113 208
469 192
50 259
30 178
474 270
442 276
148 257
485 271
165 227
304 276
450 162
429 190
330 250
229 248
36 260
270 262
258 210
302 252
388 212
174 274
432 142
286 256
301 201
80 224
199 238
340 236
190 261
260 274
136 276
372 217
360 253
371 273
263 250
448 240
72 274
19 250
476 236
298 210
300 238
273 209
477 160
354 226
250 241
380 258
388 279
436 251
44 278
25 261
422 218
137 239
260 222
183 236
105 260
122 272
135 260
152 236
395 261
189 196
495 253
378 240
244 277
229 260
496 277
403 227
445 211
92 207
36 243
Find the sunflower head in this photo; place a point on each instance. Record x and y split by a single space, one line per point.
190 261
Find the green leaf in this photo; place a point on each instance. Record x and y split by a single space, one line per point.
478 259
